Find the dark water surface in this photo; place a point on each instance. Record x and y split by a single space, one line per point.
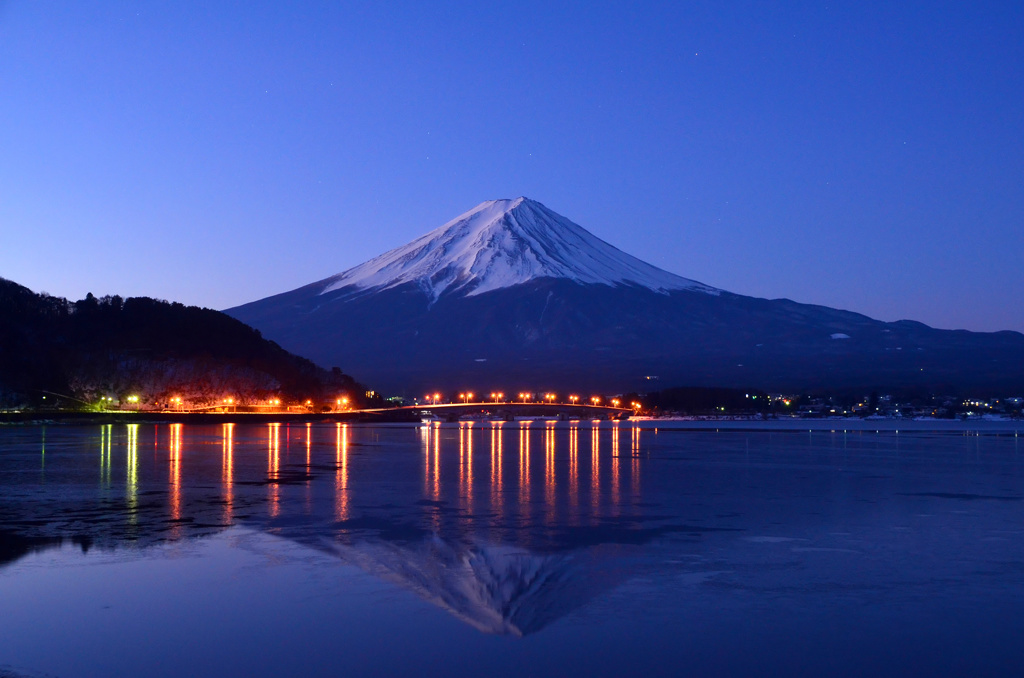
514 549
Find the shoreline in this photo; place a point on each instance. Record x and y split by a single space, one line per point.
62 418
1013 426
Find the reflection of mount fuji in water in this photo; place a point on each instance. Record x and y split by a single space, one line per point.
498 589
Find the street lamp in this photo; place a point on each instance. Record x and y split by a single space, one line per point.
595 400
574 399
615 402
469 397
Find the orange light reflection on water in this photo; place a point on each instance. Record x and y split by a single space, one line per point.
309 446
227 470
574 469
309 465
497 492
549 470
615 468
424 433
635 469
274 469
524 467
466 463
174 496
560 488
436 487
595 470
341 498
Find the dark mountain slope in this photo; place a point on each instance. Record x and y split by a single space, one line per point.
113 346
557 334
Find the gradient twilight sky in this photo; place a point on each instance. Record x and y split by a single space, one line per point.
862 155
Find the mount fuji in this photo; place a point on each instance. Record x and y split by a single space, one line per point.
511 295
500 244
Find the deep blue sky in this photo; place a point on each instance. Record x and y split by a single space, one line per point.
866 156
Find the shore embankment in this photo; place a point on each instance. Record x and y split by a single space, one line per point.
202 418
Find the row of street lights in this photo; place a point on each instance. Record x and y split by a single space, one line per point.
177 402
466 397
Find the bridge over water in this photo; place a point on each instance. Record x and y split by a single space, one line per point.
510 410
443 411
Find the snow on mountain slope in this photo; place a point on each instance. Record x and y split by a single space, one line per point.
501 243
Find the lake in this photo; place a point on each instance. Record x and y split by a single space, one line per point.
509 549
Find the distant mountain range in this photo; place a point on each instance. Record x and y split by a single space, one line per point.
511 295
54 352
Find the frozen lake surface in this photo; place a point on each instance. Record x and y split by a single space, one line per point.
509 549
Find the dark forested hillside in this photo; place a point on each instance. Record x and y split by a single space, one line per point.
112 347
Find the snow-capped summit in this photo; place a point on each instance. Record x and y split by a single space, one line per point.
501 243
